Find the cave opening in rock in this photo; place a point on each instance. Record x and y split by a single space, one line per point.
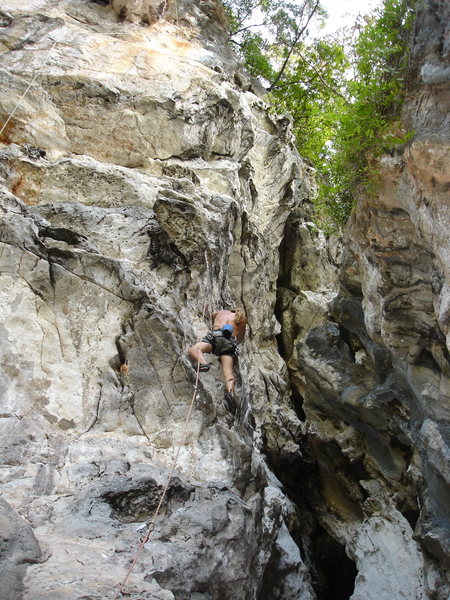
297 403
332 572
335 571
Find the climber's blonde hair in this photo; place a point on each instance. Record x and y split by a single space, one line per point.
239 315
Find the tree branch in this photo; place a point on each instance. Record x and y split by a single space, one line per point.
291 49
248 13
327 85
247 27
288 83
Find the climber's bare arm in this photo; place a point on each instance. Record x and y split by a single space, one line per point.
240 330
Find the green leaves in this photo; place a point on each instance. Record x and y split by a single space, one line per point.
345 94
368 126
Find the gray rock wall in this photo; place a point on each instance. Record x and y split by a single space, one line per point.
143 186
371 364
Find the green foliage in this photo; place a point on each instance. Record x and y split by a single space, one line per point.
312 90
368 125
256 60
266 31
341 125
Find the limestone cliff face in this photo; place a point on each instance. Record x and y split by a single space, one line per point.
373 375
144 185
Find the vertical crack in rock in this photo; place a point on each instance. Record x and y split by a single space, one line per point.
144 185
365 349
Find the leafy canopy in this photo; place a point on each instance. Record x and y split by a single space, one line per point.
369 124
267 31
345 93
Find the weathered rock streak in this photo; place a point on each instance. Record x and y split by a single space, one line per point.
143 185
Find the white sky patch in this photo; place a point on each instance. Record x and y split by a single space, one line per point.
342 13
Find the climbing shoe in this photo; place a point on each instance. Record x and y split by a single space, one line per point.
203 367
230 402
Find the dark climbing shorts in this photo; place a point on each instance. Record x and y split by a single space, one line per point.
221 346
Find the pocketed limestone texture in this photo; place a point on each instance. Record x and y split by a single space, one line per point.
142 188
143 185
368 350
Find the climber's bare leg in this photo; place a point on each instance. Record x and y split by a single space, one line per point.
196 352
226 362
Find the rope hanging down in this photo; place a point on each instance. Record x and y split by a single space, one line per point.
166 486
35 77
28 88
191 406
43 65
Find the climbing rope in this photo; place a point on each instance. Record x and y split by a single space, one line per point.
163 494
171 473
45 62
35 77
5 124
172 468
27 89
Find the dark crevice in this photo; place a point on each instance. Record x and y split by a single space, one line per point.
270 577
122 14
412 516
280 344
405 449
287 248
446 353
332 572
278 312
305 474
297 403
344 334
68 236
359 472
426 359
336 572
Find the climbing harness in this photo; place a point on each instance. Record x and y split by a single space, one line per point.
221 342
171 473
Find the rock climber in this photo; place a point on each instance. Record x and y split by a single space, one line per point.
227 332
